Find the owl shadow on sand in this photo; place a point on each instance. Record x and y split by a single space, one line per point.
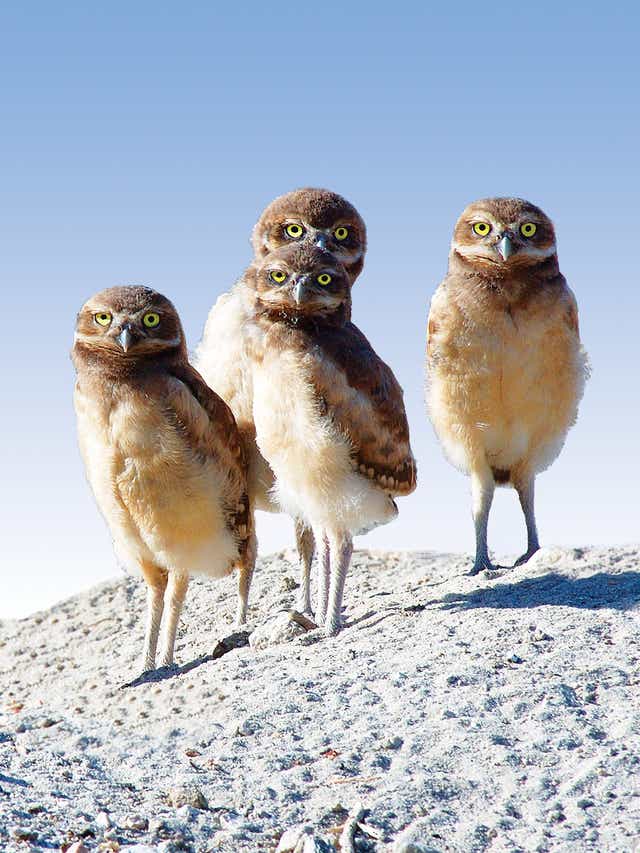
235 640
618 591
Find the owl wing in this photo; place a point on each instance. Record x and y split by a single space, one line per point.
571 313
365 402
214 434
439 325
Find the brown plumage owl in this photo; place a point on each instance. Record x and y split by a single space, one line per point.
163 455
328 413
505 366
310 217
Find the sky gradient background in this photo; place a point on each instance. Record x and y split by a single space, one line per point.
139 143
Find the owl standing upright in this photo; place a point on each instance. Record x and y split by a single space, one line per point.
328 412
162 453
506 369
316 217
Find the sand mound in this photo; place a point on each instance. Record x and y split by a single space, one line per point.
452 714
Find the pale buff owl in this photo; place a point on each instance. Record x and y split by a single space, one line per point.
308 216
163 455
505 366
328 412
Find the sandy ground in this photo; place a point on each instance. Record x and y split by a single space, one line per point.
452 714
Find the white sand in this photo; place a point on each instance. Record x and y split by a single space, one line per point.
452 714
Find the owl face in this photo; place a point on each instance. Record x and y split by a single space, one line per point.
504 232
314 217
129 322
300 280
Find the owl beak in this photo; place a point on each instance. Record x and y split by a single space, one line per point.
321 242
300 291
505 247
125 338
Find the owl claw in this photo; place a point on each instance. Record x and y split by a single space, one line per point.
526 557
483 564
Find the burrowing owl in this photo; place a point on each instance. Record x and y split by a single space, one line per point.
310 217
505 366
328 413
162 452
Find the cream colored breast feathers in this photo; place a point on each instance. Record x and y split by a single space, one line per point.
219 356
135 462
495 383
312 459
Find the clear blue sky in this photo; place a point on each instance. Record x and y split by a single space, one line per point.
140 141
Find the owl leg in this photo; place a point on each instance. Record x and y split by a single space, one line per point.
174 598
245 576
341 550
324 570
482 489
526 490
156 579
306 546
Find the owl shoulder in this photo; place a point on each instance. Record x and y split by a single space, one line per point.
558 302
570 312
365 401
444 318
204 414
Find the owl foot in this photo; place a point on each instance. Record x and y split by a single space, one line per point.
484 564
526 557
303 605
332 629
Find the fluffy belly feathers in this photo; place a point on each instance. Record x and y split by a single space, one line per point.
161 502
315 476
505 396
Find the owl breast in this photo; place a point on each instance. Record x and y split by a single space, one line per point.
161 499
507 388
311 459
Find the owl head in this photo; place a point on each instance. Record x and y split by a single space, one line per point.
502 234
300 280
315 217
129 323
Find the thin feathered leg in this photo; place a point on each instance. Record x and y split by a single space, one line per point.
305 542
526 493
482 489
245 576
324 571
156 580
341 550
174 598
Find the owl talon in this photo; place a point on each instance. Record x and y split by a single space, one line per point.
484 565
526 556
332 629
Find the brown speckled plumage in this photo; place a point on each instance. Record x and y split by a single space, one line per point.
329 413
163 454
219 357
505 366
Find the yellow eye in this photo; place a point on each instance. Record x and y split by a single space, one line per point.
528 229
151 320
481 228
341 233
324 278
278 276
294 230
103 318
